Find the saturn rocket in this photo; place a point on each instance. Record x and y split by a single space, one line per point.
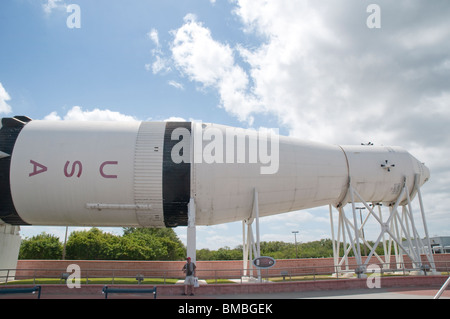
143 174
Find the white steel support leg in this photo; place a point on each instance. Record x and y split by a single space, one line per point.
244 250
344 238
340 238
256 214
398 225
333 240
251 249
396 233
441 291
356 229
191 232
387 255
429 253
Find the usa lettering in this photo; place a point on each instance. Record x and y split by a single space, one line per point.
72 169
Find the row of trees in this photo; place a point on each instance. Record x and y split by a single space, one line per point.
94 244
281 250
155 244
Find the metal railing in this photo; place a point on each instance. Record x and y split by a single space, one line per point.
441 291
117 276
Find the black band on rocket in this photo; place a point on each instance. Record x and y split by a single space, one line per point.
9 132
176 177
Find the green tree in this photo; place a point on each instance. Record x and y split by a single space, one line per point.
92 244
42 246
151 244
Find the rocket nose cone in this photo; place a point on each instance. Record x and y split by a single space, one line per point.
422 171
425 173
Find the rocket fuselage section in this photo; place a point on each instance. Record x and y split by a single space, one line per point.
143 174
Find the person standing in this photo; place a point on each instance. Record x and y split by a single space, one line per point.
189 270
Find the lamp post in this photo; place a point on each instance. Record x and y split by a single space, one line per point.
64 247
295 232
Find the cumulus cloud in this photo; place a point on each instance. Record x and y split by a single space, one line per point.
326 76
320 70
176 84
161 63
204 60
76 113
4 97
51 5
153 35
175 119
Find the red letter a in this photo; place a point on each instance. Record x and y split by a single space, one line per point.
37 168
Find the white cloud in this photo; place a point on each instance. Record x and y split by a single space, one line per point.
76 113
161 64
51 5
175 119
53 116
153 35
4 97
330 78
197 55
326 76
204 60
176 85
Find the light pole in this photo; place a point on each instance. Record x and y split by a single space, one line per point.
295 232
64 247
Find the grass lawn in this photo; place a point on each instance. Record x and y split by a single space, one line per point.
105 281
93 281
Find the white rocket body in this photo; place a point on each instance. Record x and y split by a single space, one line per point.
143 174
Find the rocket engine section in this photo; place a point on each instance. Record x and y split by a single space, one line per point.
143 174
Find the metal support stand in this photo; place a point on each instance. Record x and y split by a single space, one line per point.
251 249
397 226
191 232
441 291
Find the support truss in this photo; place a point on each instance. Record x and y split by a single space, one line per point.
399 224
251 248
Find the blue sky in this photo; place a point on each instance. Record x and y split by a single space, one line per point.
312 70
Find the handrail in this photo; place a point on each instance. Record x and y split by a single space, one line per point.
441 291
338 272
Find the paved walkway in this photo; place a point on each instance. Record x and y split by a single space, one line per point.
392 293
397 293
427 291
